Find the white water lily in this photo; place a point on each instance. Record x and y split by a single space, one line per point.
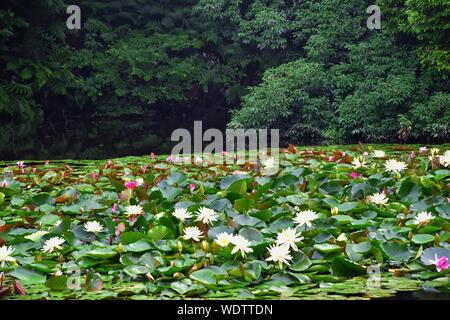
224 238
93 226
378 198
280 254
269 163
241 244
289 237
36 236
359 162
134 211
378 154
53 243
207 216
140 181
182 214
395 166
198 159
5 255
423 217
193 233
305 218
445 159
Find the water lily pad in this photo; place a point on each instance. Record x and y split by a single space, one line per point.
204 276
422 238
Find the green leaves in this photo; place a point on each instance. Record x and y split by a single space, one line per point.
409 191
300 262
138 246
27 276
327 248
239 186
346 268
204 276
150 249
160 232
422 238
395 251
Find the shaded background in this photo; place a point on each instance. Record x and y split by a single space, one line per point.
137 70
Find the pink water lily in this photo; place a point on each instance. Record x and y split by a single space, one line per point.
440 263
144 168
20 164
131 184
152 156
366 154
94 175
412 155
4 184
46 162
423 149
108 164
331 159
192 187
34 170
114 208
354 175
169 159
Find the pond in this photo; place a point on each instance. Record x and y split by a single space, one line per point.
330 223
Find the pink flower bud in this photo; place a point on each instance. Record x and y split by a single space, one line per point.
114 208
4 184
191 187
144 168
354 175
131 184
19 289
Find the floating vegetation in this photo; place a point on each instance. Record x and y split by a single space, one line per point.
333 223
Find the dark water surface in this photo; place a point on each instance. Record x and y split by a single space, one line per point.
425 294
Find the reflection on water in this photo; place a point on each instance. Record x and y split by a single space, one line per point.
89 139
425 294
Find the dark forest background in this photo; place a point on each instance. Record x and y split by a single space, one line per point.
139 69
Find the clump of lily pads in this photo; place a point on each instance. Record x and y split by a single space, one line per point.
157 226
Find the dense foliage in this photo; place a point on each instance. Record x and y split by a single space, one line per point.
320 228
142 68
